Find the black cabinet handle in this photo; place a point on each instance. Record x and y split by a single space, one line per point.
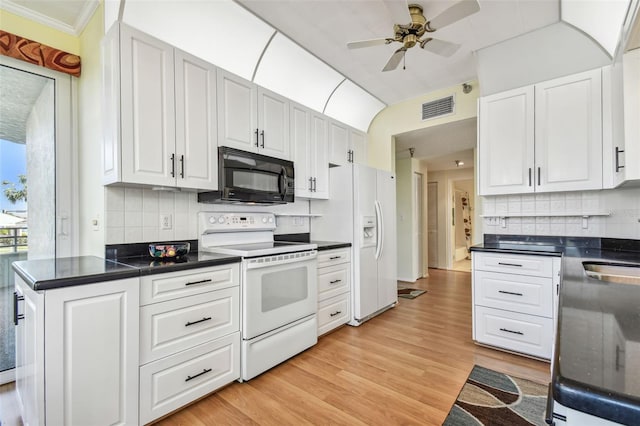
335 313
182 166
618 166
334 257
204 371
198 282
510 292
334 281
262 136
16 316
539 176
173 165
529 176
513 332
314 185
509 264
197 322
256 132
310 184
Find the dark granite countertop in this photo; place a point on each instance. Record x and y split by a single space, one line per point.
330 245
306 238
45 274
596 368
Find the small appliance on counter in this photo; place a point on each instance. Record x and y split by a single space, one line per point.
278 286
247 177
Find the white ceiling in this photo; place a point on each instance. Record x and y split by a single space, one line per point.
324 27
70 16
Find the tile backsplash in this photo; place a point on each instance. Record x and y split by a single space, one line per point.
622 204
133 215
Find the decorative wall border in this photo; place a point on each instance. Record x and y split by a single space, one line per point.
40 54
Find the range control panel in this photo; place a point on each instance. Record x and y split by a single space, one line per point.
233 221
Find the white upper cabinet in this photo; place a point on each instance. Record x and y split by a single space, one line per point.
568 133
251 118
160 113
346 145
542 138
310 155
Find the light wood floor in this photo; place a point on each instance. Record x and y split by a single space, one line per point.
405 366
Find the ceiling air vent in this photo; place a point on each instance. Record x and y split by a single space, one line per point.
438 108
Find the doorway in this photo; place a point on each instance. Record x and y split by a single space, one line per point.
36 167
461 229
432 224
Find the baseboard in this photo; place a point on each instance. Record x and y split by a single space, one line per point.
407 280
7 376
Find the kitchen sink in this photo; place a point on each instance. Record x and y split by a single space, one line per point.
624 273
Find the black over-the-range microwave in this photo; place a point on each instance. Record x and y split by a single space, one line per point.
247 177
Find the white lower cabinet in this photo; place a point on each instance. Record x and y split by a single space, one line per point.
334 289
189 336
515 301
77 353
172 382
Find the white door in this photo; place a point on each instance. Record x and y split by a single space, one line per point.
319 156
237 112
148 110
301 149
418 206
196 128
387 237
568 133
273 122
91 350
338 143
506 142
432 223
358 146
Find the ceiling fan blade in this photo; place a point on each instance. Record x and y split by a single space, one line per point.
460 10
395 59
368 43
440 47
398 10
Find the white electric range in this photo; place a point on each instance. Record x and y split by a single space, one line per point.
278 286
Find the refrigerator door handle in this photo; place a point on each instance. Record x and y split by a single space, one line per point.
379 230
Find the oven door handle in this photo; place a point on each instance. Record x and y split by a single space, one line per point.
256 264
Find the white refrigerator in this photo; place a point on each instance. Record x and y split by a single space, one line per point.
362 210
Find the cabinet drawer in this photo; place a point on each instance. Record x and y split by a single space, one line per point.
527 334
333 280
334 312
171 285
333 257
176 325
540 266
170 383
517 293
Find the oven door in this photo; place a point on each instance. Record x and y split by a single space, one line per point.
278 290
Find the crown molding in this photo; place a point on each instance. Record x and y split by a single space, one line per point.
76 29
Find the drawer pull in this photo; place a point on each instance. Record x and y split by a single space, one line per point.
205 371
511 331
334 257
509 264
510 292
334 281
196 322
199 282
335 313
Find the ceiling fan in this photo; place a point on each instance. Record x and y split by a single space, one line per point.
412 33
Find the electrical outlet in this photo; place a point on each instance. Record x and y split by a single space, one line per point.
165 221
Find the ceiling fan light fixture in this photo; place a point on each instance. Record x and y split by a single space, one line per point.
459 163
466 88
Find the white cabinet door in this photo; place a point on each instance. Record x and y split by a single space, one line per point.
30 355
91 351
237 114
338 143
631 71
273 122
506 142
148 109
196 129
358 146
319 158
301 148
568 133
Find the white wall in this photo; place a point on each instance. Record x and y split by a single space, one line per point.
624 205
445 179
544 54
40 141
